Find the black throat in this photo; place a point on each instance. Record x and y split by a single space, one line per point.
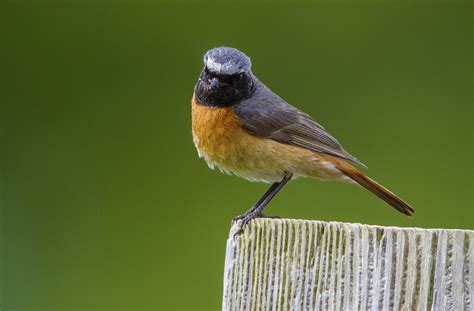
230 90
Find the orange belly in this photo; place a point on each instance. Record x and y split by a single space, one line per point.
221 141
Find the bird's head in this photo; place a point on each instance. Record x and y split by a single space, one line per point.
226 78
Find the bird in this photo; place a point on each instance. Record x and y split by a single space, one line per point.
243 128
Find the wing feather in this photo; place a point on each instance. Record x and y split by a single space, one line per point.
266 114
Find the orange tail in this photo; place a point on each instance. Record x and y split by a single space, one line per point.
388 196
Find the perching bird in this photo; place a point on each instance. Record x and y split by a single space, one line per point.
240 126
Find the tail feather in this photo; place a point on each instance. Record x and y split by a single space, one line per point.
368 183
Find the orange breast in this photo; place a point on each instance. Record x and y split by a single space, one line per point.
219 137
223 143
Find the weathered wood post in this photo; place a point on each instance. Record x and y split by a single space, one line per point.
281 264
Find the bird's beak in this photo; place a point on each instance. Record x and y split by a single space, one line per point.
214 82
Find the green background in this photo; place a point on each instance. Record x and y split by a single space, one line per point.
105 204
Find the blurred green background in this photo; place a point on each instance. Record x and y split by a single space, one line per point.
105 204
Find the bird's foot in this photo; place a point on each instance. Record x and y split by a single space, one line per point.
240 217
247 217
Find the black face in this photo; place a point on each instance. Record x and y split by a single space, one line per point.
220 90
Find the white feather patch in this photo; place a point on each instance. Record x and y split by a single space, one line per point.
227 68
330 166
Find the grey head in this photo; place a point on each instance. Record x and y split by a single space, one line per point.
226 78
225 60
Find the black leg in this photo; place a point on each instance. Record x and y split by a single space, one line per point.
257 209
257 204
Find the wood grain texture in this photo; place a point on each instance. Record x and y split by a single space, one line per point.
279 264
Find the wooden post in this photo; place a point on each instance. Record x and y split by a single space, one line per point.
282 264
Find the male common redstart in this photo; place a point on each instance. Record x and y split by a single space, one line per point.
240 126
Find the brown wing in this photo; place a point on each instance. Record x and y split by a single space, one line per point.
266 114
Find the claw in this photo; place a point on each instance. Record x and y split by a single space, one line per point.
246 218
249 217
237 218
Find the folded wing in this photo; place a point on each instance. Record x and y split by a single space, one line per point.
267 115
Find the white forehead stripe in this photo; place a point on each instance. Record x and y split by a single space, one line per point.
228 68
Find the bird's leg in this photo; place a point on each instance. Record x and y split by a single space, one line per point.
257 204
257 208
